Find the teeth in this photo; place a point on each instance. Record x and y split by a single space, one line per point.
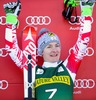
54 55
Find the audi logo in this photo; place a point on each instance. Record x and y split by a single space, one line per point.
89 51
3 84
38 20
78 20
2 20
84 83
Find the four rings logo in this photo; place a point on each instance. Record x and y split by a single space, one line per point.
38 20
2 20
84 83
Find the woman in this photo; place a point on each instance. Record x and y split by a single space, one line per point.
55 79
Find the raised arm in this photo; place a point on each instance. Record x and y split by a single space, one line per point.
12 10
79 49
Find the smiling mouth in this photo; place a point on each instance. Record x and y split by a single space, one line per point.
54 55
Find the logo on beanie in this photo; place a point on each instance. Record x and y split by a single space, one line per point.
51 34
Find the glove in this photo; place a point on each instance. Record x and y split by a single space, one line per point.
12 10
73 3
86 7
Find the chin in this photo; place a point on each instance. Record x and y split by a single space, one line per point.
53 61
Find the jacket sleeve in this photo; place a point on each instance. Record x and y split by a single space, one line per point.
78 51
11 44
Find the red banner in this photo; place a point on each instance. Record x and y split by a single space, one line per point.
48 14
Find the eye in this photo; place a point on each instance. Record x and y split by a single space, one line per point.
49 46
57 45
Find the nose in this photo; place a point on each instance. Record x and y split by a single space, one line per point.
54 49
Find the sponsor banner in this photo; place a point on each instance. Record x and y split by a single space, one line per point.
47 16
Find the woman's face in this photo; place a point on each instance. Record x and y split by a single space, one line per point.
51 52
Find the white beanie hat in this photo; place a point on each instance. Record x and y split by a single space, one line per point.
46 37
